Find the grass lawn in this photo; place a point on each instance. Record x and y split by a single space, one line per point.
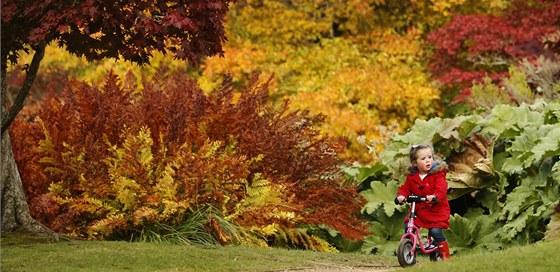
25 253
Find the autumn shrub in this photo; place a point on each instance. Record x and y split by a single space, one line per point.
526 83
112 162
473 47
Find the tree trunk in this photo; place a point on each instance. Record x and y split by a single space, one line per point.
14 208
15 211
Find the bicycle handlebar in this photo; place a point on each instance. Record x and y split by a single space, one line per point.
417 199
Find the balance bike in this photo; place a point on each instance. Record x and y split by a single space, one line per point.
411 241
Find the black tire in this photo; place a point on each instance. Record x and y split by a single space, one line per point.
435 256
404 253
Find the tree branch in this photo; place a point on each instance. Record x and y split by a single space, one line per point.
24 90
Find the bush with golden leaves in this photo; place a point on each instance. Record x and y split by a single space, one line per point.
106 162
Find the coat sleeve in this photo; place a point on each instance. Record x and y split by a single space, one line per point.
440 190
405 189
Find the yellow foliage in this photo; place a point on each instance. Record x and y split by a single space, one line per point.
103 227
260 194
59 189
145 214
174 208
268 230
165 185
295 237
301 238
283 23
362 84
126 191
139 184
59 61
209 148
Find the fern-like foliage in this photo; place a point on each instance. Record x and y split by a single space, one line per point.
115 162
300 238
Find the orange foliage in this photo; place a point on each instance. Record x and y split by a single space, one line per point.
105 162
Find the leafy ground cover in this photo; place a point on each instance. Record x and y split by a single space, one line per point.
25 253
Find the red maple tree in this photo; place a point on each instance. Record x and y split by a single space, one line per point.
472 47
96 29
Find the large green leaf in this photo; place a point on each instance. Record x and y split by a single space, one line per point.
552 113
548 143
476 233
381 195
361 173
507 121
517 201
513 166
422 132
514 227
386 233
556 172
532 146
459 127
530 204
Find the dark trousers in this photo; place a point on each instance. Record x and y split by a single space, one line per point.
436 233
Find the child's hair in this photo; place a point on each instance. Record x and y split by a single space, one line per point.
414 149
439 163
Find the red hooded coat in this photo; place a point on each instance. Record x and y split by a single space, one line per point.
429 215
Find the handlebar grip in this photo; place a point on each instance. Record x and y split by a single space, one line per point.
415 198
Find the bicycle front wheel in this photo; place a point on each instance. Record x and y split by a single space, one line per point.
405 253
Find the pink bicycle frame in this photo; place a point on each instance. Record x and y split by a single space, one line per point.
413 233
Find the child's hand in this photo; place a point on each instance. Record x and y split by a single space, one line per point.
432 198
400 199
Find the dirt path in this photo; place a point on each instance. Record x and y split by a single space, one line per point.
326 267
332 268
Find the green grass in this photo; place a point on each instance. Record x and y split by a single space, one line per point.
542 256
26 253
31 254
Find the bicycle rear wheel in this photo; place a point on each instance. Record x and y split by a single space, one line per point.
405 253
435 256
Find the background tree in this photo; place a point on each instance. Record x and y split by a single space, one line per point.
473 47
130 30
358 62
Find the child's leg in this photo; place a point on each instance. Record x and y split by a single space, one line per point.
441 242
437 234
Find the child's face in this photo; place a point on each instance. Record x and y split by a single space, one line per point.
424 160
